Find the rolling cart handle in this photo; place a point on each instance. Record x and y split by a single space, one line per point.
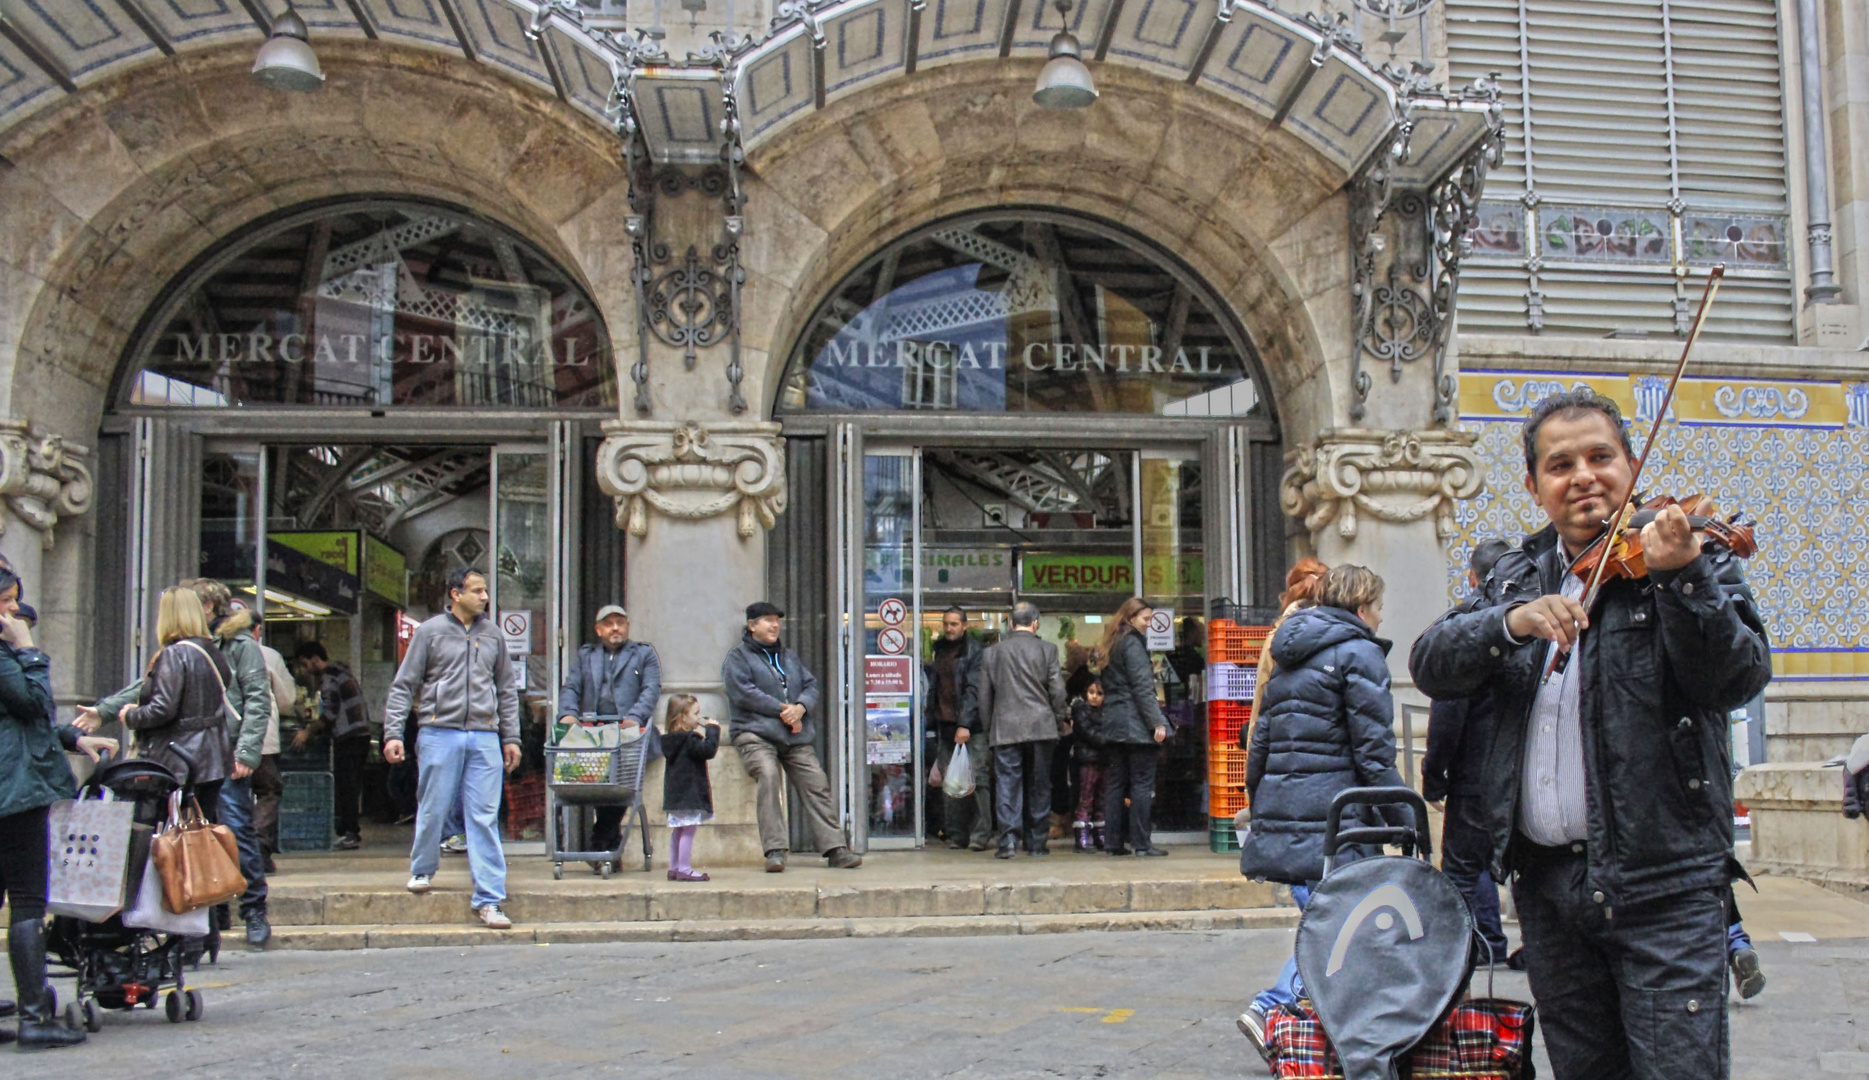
1416 837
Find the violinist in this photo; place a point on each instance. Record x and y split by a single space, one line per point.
1607 789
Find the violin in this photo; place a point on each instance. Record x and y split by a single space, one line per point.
1622 548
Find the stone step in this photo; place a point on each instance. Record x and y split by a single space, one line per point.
629 899
349 936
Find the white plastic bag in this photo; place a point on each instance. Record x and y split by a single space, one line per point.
147 913
958 783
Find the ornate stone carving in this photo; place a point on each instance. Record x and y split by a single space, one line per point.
42 477
692 470
1393 476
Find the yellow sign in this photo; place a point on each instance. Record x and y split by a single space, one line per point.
339 549
1503 395
385 571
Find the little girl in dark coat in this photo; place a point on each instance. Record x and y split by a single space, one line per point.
688 744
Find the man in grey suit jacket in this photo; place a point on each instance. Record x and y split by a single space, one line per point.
1020 694
613 677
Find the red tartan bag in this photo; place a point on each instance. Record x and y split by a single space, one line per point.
1480 1039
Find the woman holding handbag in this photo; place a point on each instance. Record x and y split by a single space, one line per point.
180 716
33 776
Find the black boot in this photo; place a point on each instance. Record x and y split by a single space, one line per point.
39 1029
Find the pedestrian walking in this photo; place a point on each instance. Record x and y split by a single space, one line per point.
968 822
268 783
612 677
1608 790
772 696
688 744
458 687
1019 690
33 776
1133 730
344 716
1326 724
1087 754
1452 772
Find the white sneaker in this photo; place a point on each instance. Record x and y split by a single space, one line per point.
494 917
454 845
421 883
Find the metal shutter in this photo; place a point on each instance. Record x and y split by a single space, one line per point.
1729 110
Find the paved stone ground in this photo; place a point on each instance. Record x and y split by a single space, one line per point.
1150 1004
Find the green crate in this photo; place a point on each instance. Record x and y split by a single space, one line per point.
305 807
1220 835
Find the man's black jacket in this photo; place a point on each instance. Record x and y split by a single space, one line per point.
1663 662
1459 733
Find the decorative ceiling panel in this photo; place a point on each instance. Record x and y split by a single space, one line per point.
956 30
588 76
1164 34
197 21
323 17
84 37
1343 112
422 21
1258 61
21 81
1037 21
680 114
774 85
498 31
1441 133
863 44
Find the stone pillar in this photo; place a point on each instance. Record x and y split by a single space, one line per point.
696 499
1798 825
1386 500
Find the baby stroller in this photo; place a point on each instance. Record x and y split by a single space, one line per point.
120 967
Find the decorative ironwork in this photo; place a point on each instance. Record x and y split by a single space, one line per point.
690 306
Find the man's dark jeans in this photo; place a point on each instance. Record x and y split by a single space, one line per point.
347 760
1466 849
1636 992
1022 791
236 812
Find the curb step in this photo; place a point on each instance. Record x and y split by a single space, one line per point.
591 933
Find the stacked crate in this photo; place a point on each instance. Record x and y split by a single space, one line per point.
1232 676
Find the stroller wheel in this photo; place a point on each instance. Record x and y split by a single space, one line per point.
93 1017
605 871
74 1016
172 1007
558 872
195 1007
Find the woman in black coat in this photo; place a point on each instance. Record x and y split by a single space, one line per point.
1326 723
687 797
1132 729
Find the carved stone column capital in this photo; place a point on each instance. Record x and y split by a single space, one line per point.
42 477
1393 476
693 470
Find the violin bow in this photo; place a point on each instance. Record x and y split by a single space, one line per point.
1615 523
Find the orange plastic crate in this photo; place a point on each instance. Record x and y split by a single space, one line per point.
1226 766
1231 643
1224 802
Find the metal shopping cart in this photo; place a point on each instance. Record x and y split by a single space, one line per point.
583 777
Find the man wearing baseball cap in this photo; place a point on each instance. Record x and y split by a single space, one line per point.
772 698
613 677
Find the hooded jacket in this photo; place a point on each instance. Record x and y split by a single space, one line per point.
180 718
1663 661
1326 723
249 690
763 680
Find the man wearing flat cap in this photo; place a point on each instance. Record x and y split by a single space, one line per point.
772 699
613 677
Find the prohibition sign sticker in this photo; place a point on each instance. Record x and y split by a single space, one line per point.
892 612
891 641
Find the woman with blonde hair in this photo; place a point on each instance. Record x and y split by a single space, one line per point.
1132 728
180 717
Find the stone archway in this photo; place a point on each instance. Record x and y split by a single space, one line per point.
1253 212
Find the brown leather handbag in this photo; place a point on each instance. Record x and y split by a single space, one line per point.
199 863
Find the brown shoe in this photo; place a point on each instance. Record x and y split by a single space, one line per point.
843 859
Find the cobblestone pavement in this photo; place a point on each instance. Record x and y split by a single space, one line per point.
1148 1004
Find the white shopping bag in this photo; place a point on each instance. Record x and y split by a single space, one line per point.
88 849
958 783
147 912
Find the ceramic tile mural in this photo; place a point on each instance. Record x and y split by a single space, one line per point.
1793 456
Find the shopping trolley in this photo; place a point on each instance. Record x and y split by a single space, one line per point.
584 777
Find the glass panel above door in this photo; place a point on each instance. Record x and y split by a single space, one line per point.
1021 313
373 304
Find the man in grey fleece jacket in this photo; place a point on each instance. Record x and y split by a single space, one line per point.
462 691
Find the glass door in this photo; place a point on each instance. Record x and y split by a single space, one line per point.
892 798
525 516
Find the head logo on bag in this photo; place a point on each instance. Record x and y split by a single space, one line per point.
1389 896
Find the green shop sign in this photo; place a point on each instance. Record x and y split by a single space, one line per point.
1069 572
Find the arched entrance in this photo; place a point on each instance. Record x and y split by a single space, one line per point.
1017 404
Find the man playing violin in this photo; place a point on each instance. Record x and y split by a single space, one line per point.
1607 788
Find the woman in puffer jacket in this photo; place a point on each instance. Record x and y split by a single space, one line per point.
1326 723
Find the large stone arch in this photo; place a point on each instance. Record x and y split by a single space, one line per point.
1252 210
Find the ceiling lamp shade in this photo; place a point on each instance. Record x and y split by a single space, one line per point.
1065 83
286 61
